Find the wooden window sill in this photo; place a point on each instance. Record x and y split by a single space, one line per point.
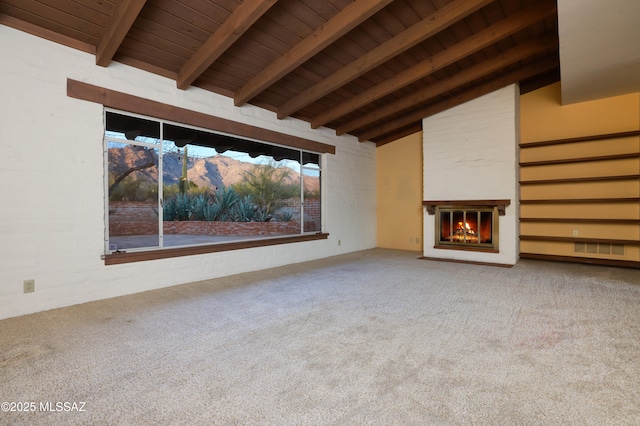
166 253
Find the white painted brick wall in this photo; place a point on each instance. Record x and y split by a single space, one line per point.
470 153
51 183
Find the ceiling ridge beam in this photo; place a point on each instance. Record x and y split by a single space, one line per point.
467 75
490 35
323 36
242 18
117 29
458 99
434 23
399 133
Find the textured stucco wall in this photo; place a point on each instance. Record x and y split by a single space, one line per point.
51 183
471 153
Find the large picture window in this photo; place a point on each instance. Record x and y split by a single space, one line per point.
171 185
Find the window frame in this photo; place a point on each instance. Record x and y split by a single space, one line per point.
160 146
146 108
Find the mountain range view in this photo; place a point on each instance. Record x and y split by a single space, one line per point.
210 172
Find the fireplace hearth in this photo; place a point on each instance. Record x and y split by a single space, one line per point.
467 224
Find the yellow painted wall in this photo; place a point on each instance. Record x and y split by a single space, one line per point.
399 193
544 118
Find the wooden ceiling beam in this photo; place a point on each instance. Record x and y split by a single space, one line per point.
242 18
502 29
540 80
474 72
436 22
119 25
349 18
46 34
458 99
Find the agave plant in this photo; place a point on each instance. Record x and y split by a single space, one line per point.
169 209
225 199
244 210
198 205
285 215
262 215
177 208
183 207
211 212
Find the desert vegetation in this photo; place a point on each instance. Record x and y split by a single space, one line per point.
257 197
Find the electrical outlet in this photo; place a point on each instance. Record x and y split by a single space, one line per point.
29 286
338 242
417 240
575 232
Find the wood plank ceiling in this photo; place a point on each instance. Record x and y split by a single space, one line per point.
369 68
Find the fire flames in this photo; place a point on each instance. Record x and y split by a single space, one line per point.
462 227
465 233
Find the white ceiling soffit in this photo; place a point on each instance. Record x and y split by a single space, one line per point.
599 48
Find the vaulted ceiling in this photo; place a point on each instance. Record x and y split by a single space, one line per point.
369 68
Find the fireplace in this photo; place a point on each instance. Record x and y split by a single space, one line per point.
467 224
467 227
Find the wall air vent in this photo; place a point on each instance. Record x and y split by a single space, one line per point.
593 248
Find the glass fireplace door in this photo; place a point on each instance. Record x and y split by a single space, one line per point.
467 227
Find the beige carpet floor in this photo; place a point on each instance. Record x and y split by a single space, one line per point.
374 337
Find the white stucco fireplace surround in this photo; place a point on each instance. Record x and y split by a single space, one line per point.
470 155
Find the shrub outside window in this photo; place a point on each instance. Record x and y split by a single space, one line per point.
172 185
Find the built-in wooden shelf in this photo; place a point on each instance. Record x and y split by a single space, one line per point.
581 180
615 150
590 138
586 260
583 201
581 160
500 204
578 240
569 220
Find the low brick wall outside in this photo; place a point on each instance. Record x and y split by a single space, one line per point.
133 218
193 227
311 212
140 218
